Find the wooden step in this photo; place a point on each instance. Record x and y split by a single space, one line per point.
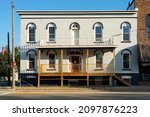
121 80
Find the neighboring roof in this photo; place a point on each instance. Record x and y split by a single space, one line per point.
144 53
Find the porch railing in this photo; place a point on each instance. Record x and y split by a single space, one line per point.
75 68
67 42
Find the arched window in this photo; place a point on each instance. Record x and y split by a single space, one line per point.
126 26
75 33
126 59
32 59
51 29
98 31
52 59
99 59
148 26
31 27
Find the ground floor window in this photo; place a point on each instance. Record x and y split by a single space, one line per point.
31 61
52 61
99 59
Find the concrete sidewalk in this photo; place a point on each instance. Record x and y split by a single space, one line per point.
78 89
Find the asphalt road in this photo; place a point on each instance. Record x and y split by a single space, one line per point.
76 96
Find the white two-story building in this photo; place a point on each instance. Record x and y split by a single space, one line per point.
86 47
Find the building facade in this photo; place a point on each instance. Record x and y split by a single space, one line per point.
143 7
87 47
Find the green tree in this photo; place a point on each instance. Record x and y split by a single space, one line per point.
17 58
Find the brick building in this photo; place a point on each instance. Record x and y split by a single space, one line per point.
143 7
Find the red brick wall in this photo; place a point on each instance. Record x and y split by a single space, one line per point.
143 9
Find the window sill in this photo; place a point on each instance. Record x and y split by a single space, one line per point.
125 41
98 42
126 69
51 69
98 69
31 42
51 42
31 69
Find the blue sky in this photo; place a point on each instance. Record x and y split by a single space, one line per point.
5 11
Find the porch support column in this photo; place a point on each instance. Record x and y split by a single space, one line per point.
62 53
87 66
39 57
114 54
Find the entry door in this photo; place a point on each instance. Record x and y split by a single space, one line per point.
76 63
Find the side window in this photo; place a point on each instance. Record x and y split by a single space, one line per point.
51 32
126 59
31 61
98 31
148 26
126 31
31 31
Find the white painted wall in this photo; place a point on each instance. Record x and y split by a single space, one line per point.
111 22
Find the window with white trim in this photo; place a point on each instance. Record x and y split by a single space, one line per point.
31 31
126 27
51 30
126 59
51 61
98 32
31 61
99 59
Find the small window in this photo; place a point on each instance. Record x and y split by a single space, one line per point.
31 61
126 31
99 59
126 61
31 30
51 33
31 34
148 26
52 61
98 31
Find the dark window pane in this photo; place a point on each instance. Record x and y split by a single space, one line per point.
51 60
99 60
126 61
31 34
31 61
148 32
51 33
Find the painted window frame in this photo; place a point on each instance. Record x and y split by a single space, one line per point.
99 63
31 32
126 52
126 33
52 63
51 36
30 61
100 32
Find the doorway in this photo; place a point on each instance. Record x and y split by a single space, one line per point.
75 63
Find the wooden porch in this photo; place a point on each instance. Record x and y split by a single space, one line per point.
61 74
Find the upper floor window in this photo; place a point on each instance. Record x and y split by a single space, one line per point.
126 59
31 27
51 29
148 26
126 31
98 31
99 59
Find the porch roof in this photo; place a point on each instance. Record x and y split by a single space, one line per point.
78 47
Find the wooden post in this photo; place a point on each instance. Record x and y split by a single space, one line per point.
39 54
114 61
87 66
62 52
